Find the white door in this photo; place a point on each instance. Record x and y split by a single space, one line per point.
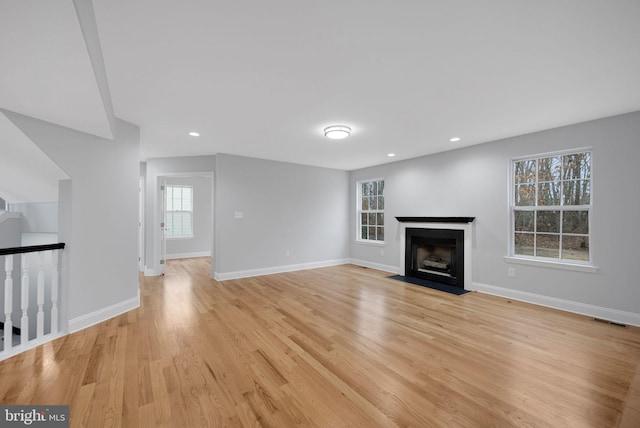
163 226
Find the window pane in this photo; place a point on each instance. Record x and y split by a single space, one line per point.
525 171
549 169
541 185
524 244
524 221
548 221
575 247
548 246
372 219
576 192
549 193
372 232
577 166
186 193
372 202
178 220
575 222
525 195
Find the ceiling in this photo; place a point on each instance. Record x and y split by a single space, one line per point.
263 79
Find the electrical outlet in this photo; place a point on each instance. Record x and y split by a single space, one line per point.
382 252
287 253
511 272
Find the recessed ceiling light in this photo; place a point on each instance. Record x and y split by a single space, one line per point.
194 134
454 139
337 132
391 155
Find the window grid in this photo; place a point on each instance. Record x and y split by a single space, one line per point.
371 210
551 208
179 212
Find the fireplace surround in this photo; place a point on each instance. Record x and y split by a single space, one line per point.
437 249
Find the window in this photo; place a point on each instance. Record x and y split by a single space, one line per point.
179 212
371 210
551 206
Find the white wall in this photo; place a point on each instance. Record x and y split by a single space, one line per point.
38 217
10 230
98 221
474 182
286 207
202 241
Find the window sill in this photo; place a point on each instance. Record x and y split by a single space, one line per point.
372 243
178 238
551 264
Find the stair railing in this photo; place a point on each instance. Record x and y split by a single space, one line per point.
45 327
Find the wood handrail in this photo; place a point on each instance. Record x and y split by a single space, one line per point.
31 249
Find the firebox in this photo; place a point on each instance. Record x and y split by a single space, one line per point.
435 255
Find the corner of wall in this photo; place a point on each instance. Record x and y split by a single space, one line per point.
103 314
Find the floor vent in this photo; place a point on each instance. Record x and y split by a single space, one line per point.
610 322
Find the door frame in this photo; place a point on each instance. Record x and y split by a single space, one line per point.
158 217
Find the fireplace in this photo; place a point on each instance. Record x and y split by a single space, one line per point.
437 249
435 255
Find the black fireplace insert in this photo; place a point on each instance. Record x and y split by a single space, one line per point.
435 255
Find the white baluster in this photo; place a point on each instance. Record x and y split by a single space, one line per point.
54 292
40 297
24 321
8 302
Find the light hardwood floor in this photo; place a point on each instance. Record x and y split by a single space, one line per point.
334 347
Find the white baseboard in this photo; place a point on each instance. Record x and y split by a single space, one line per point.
188 255
103 314
609 314
150 272
372 265
277 269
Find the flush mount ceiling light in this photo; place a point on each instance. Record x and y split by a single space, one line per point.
194 134
337 132
391 155
454 139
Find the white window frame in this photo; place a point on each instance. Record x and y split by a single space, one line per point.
569 264
169 225
359 212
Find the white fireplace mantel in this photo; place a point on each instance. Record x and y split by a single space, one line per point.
453 223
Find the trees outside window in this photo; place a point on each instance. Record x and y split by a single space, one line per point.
371 210
551 206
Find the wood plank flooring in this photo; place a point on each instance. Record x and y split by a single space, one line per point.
334 347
